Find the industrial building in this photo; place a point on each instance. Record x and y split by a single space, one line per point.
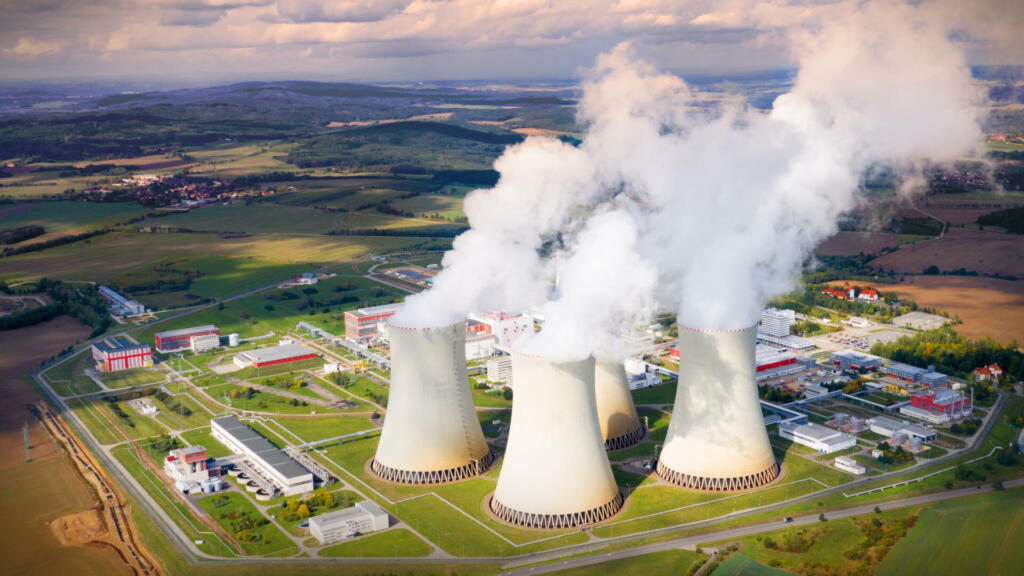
555 472
717 438
889 428
775 322
938 407
505 327
268 461
363 324
620 426
816 436
306 279
192 470
479 346
205 343
178 340
119 353
853 360
119 305
274 355
363 518
850 465
431 434
499 369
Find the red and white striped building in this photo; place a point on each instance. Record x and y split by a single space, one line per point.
119 353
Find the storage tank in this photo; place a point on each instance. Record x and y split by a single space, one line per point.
620 426
717 439
555 473
431 433
233 339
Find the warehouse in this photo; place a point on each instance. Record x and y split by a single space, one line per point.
888 427
119 353
274 355
363 518
119 305
363 324
816 436
269 461
178 340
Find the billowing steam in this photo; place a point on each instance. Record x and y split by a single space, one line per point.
722 207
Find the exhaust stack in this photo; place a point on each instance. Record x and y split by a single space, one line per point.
717 439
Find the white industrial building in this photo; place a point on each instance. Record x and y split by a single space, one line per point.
555 472
816 436
431 433
889 428
505 327
479 346
204 343
268 460
500 370
620 426
849 465
776 323
717 438
363 518
271 355
190 469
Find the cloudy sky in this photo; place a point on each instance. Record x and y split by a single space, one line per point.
394 40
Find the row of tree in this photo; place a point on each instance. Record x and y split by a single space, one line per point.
951 353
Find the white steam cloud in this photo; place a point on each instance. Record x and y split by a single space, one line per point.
709 214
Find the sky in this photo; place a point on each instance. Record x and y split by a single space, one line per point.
207 41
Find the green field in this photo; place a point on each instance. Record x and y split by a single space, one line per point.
667 563
262 401
131 378
396 543
662 394
742 565
976 535
63 218
313 429
230 508
202 437
432 204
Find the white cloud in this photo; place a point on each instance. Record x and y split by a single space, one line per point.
28 47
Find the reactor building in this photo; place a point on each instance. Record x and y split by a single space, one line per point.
717 439
620 426
555 472
431 433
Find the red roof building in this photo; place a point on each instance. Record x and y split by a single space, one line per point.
992 371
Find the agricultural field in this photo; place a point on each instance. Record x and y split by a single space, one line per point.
989 308
973 250
433 204
978 535
63 218
854 243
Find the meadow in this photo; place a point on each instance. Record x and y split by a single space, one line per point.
396 542
63 218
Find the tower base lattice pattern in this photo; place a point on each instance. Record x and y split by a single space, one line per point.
432 476
626 440
733 484
556 521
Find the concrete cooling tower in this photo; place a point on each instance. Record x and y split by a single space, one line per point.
555 473
620 426
431 433
717 438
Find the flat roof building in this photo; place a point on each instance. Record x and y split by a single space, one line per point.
364 324
890 427
205 343
853 360
274 355
119 353
816 436
177 340
499 369
938 407
775 322
849 465
363 518
270 461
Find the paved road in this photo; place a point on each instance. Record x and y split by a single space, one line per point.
692 542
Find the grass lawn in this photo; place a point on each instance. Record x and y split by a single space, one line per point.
738 564
135 426
490 399
342 499
666 563
976 535
203 438
177 418
93 419
67 379
396 542
238 517
133 377
316 428
262 401
661 394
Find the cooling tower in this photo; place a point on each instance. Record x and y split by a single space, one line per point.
431 433
555 472
717 439
616 414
